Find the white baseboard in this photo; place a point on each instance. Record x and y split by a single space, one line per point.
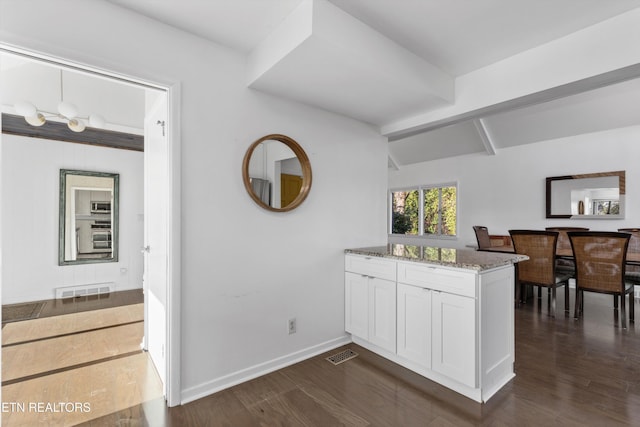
210 387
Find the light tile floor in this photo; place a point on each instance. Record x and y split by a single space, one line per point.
68 369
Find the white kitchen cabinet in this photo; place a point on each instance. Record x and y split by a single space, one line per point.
414 324
356 316
382 313
370 300
449 314
450 321
453 345
436 330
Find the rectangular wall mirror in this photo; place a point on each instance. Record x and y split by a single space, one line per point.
88 217
592 196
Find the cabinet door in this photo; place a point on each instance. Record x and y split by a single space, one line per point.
414 324
356 298
454 337
382 313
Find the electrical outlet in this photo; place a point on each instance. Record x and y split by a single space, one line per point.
292 326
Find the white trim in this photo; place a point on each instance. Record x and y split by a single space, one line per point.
82 68
214 386
174 342
420 189
1 257
173 339
464 390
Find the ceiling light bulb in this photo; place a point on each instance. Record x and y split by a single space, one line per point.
76 125
67 110
25 109
36 120
96 121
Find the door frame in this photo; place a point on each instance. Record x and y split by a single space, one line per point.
173 303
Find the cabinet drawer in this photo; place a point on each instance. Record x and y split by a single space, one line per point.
371 266
439 279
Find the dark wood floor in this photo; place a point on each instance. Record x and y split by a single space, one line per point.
568 372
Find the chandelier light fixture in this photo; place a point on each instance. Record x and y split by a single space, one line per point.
67 112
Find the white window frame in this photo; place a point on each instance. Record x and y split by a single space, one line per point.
420 189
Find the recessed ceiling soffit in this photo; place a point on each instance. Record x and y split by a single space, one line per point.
322 56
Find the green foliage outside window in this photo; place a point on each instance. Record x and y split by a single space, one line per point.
449 211
439 211
405 212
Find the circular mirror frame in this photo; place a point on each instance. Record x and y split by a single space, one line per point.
304 163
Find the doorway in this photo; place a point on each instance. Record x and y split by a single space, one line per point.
161 208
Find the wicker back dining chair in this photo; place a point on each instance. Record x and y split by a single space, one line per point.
540 269
600 258
565 265
632 272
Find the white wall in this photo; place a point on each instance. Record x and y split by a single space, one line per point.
245 271
507 191
30 195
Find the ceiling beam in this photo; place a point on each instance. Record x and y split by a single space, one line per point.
607 79
481 127
393 164
16 125
596 56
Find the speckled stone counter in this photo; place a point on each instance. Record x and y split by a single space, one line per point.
447 257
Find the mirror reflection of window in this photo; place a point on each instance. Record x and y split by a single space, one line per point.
597 201
606 207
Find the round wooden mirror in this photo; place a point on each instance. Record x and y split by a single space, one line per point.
276 173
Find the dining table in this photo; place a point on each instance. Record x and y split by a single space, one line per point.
633 257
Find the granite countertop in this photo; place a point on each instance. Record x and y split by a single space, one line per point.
448 257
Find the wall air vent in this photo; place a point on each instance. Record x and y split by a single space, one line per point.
84 290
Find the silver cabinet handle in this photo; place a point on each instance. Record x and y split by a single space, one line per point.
146 249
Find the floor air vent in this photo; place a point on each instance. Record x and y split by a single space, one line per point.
343 356
84 290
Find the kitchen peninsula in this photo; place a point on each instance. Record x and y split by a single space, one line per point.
446 314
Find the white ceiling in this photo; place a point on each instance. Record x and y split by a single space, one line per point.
333 67
458 36
381 61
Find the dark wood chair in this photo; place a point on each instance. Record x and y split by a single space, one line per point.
540 269
482 236
600 258
492 242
